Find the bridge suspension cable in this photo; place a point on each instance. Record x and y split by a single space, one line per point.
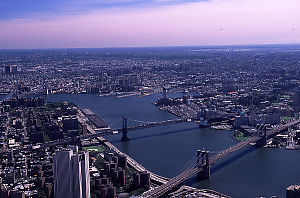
188 165
140 121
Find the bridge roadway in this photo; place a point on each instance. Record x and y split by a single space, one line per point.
22 95
154 124
104 132
159 191
25 94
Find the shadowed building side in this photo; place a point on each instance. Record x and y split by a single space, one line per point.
71 174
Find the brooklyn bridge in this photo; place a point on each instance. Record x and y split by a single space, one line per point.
204 162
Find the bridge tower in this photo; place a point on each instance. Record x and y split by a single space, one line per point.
262 132
124 130
203 163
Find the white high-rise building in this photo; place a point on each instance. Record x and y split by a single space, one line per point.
71 174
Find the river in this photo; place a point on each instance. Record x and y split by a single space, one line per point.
166 149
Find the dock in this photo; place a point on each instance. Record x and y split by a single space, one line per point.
96 120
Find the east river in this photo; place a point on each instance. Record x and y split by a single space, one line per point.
166 149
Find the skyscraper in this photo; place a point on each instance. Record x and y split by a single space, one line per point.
71 174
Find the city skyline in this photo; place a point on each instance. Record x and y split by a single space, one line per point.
219 117
149 98
131 23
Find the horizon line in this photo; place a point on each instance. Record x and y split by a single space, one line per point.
163 46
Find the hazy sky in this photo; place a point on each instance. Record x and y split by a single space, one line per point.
120 23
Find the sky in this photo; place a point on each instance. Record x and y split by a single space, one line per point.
32 24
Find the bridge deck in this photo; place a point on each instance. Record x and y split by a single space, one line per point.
138 127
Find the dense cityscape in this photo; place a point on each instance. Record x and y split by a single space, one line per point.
58 149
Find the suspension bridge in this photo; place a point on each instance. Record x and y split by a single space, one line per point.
204 162
125 129
14 93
